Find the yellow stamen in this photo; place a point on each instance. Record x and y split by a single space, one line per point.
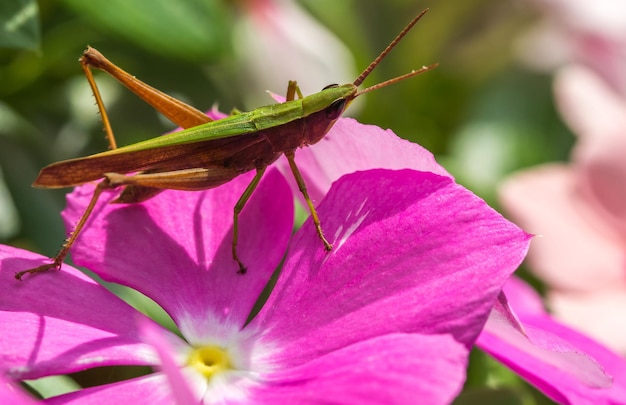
209 360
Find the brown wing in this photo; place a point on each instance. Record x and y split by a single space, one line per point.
214 153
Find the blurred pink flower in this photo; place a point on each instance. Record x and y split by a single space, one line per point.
386 317
277 41
592 33
580 211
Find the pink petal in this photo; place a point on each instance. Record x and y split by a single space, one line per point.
62 322
413 252
179 386
575 250
351 146
567 366
390 369
176 248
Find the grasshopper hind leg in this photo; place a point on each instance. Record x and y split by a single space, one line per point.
57 261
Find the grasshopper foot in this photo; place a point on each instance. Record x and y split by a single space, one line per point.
40 269
242 267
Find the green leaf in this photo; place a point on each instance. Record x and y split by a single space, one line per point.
19 25
53 385
194 30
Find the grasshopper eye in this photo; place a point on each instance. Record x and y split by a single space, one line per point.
330 86
334 110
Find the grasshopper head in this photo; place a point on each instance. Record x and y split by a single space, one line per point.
324 108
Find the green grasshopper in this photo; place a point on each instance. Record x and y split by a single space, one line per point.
206 153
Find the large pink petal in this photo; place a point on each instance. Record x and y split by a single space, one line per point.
351 146
176 248
566 365
390 369
575 250
413 252
61 322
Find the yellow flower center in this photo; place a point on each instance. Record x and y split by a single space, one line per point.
209 360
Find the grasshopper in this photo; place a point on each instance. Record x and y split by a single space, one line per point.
206 153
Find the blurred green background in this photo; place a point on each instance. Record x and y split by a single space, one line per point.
481 112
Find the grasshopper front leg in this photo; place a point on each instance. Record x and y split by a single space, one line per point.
292 90
290 155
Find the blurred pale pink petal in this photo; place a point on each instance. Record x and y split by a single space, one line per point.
567 366
604 16
597 114
599 313
580 210
589 105
579 31
574 249
278 41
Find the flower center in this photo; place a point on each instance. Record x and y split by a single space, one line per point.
209 360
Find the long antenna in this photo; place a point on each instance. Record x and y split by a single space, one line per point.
388 49
397 79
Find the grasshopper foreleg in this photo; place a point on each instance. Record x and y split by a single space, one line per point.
290 155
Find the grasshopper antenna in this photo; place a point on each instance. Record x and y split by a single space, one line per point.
384 53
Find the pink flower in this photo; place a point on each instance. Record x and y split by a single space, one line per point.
388 316
579 210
